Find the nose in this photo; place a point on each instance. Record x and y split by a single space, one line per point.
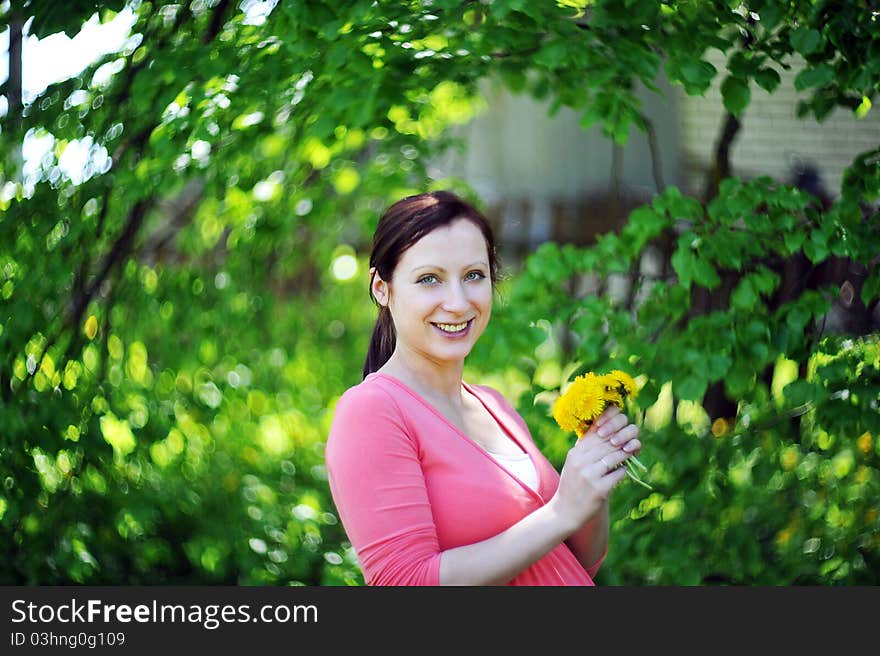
456 301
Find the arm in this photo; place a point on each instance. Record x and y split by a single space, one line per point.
577 513
589 543
379 490
497 560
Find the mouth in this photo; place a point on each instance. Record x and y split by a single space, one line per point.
453 330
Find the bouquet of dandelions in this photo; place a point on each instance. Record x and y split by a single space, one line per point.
587 397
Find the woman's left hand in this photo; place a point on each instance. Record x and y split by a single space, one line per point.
615 427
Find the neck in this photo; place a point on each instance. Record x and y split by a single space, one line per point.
435 380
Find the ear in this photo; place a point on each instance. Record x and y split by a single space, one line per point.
379 288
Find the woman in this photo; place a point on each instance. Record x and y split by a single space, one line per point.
437 481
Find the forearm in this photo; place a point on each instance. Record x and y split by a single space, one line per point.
498 559
589 542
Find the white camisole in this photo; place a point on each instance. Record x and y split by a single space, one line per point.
520 465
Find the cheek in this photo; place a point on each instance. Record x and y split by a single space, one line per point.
484 300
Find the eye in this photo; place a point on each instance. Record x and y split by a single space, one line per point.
475 275
430 279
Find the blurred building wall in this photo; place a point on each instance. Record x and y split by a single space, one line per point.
546 178
772 140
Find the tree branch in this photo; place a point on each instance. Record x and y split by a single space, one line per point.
656 164
721 165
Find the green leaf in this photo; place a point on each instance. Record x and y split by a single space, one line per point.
696 75
771 14
729 186
685 207
744 296
814 77
690 388
797 318
592 115
816 247
766 281
768 79
760 351
801 391
683 262
552 55
618 127
871 287
742 65
805 40
717 366
739 379
736 95
643 225
705 274
794 240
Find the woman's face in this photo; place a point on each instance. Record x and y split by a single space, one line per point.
440 294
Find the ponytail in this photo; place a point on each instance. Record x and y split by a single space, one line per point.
381 343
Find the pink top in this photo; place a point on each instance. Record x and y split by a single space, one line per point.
408 484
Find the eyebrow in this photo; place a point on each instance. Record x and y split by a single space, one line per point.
442 270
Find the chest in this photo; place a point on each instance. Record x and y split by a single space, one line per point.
478 424
472 494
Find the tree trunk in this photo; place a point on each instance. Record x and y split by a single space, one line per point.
715 401
14 92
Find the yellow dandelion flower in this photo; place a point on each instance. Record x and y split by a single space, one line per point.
613 397
564 416
625 381
719 427
864 443
580 404
585 399
783 537
91 327
789 458
588 397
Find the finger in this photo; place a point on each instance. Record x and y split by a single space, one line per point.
612 425
603 461
593 447
610 479
607 414
632 447
624 435
614 459
615 476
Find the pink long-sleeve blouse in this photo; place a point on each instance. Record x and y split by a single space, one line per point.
408 484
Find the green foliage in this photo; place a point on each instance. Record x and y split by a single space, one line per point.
50 17
784 491
177 323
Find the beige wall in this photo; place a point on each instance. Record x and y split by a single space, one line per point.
772 139
546 178
517 151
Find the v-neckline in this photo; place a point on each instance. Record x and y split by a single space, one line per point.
525 449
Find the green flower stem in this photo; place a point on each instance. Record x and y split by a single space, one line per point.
633 475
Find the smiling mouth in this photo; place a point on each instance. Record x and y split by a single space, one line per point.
453 328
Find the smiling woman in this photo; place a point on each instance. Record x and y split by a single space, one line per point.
438 311
437 481
441 219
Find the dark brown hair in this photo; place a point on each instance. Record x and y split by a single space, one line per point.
401 226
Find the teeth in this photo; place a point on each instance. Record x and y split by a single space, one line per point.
452 327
